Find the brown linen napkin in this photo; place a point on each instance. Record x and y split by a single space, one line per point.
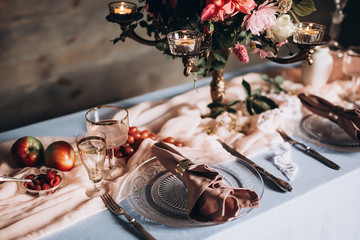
347 119
209 197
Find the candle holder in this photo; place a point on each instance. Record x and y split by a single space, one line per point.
308 33
122 9
188 45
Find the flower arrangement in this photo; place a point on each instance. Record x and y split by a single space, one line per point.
243 26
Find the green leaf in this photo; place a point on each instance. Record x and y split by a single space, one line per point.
257 107
218 65
141 1
220 57
215 105
279 79
231 110
303 8
202 72
265 78
232 103
160 46
201 62
256 92
249 106
269 102
217 112
143 23
247 88
116 40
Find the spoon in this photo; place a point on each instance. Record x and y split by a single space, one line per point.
12 179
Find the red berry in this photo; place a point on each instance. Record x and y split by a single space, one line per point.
133 130
117 149
55 181
118 154
169 140
50 175
37 187
178 144
29 185
129 150
31 176
45 186
131 139
144 134
152 136
136 135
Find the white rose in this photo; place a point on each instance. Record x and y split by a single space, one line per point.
281 29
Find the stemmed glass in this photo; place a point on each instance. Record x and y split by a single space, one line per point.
350 66
114 122
336 20
92 151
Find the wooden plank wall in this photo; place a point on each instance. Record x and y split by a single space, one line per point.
56 57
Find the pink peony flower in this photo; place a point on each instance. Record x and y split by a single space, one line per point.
241 53
258 50
260 19
216 9
245 6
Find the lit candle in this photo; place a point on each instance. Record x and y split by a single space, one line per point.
309 33
122 10
184 42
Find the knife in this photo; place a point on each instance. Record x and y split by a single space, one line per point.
308 150
283 185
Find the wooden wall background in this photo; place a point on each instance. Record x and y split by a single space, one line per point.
56 57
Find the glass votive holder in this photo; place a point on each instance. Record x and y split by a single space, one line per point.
308 33
121 8
184 42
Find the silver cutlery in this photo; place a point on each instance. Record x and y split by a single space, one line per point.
12 179
283 185
117 210
308 150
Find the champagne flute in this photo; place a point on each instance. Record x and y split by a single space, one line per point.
114 122
92 151
350 66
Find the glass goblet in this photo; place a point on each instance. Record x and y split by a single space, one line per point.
350 66
114 122
92 151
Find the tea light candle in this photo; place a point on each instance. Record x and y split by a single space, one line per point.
121 8
309 33
184 42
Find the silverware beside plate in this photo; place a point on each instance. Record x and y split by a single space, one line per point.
311 152
118 210
283 185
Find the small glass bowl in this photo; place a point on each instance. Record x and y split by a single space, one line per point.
41 193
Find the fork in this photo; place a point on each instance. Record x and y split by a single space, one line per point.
308 150
118 210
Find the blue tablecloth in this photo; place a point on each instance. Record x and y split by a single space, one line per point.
324 204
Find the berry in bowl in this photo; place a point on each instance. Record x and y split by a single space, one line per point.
45 181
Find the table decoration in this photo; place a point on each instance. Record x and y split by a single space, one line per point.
228 26
347 119
308 33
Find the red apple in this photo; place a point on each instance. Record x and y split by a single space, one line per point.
60 155
27 152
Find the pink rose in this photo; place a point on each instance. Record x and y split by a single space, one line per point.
216 9
260 19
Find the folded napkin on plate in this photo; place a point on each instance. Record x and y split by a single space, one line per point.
210 199
347 119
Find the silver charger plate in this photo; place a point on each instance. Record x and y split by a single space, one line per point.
160 196
325 133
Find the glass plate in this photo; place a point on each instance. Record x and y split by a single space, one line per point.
158 195
325 133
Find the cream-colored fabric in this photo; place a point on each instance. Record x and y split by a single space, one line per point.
25 217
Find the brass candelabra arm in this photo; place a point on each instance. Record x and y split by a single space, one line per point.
189 65
305 52
129 32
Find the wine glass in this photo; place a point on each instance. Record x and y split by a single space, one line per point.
350 66
114 122
336 20
92 151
